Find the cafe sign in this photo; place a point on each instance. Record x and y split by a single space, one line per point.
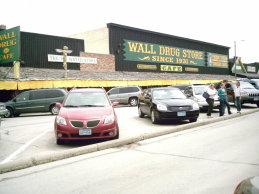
10 45
155 53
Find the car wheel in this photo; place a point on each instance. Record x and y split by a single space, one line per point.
258 104
193 120
154 117
9 113
54 110
133 101
140 113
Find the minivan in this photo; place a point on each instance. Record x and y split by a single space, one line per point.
125 95
33 101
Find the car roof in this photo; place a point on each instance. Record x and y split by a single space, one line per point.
167 88
78 90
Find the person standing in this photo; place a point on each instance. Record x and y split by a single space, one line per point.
237 92
222 99
212 92
225 82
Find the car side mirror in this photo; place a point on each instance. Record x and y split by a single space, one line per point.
59 105
115 104
188 95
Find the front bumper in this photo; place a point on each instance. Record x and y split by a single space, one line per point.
175 115
67 132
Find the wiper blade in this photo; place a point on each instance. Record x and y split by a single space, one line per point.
70 106
90 105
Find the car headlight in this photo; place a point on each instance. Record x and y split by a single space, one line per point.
161 107
109 119
61 120
195 106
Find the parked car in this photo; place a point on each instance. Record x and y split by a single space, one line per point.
181 86
167 103
195 92
248 93
255 83
125 95
34 101
249 185
3 110
86 114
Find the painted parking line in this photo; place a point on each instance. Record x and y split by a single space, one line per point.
21 149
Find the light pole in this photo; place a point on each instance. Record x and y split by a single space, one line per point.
235 57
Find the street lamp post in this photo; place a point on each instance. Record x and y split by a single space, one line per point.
235 57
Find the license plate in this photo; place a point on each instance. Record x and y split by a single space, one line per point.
256 99
85 131
181 114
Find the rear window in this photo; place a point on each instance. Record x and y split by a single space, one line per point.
54 93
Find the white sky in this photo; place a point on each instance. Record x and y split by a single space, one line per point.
216 21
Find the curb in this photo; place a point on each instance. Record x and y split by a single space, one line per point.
60 155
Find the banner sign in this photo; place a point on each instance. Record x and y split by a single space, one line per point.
155 53
10 45
217 60
72 59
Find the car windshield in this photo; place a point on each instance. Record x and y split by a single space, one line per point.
199 90
86 99
168 94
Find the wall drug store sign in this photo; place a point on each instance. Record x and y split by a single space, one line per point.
147 52
9 45
163 54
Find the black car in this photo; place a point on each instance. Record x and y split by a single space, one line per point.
167 103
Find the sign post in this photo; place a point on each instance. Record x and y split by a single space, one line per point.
65 51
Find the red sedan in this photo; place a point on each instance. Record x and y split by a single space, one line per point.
86 114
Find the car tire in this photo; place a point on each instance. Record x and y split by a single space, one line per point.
140 113
133 101
257 104
154 117
9 113
54 110
193 120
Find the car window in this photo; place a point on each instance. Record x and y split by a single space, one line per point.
113 91
168 94
38 94
22 97
86 99
54 93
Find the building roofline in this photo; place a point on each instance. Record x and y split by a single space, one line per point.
161 34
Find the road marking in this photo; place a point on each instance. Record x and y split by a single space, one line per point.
21 149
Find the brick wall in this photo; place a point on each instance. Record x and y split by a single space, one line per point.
105 63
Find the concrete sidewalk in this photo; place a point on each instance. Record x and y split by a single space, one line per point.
46 158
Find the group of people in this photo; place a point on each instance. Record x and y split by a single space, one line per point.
222 93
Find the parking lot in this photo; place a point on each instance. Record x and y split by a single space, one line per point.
30 134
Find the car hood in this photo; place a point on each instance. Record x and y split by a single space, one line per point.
83 113
253 91
175 102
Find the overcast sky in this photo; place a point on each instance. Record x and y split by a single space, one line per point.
216 21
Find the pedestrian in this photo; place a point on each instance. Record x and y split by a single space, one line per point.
222 99
237 92
226 102
212 92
